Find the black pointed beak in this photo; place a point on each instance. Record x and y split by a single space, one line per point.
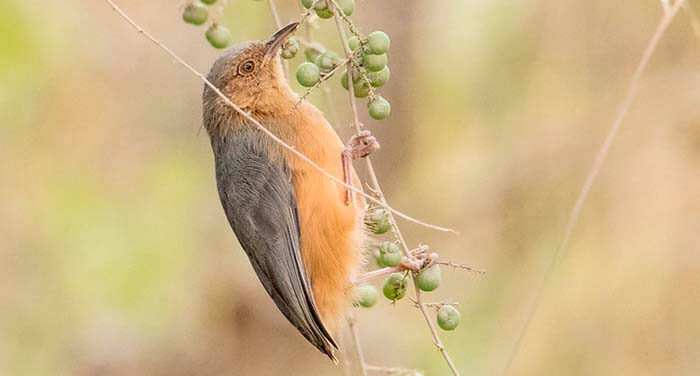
277 39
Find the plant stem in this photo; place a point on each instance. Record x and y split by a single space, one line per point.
600 158
258 125
374 183
352 322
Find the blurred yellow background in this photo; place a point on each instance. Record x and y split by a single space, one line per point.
116 257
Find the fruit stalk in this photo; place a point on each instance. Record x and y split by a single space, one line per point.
374 182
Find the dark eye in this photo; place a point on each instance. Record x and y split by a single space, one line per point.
246 67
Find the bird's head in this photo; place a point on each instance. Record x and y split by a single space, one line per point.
250 74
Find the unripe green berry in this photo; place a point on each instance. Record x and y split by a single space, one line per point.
287 54
395 286
448 317
389 254
357 78
374 253
195 14
324 13
379 108
327 61
364 296
218 36
361 90
378 42
354 43
208 2
429 278
311 54
348 6
308 74
344 80
378 221
290 48
307 3
321 5
378 79
374 63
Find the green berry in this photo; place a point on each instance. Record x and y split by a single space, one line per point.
208 2
287 54
344 80
389 254
378 79
378 222
327 61
218 36
374 254
195 14
307 3
360 87
374 63
395 286
308 74
290 48
378 42
429 279
361 90
379 108
356 78
448 317
321 5
348 6
354 43
324 13
364 296
311 54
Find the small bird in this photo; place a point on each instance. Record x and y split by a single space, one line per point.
302 232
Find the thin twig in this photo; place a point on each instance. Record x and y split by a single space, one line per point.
325 77
377 189
393 370
376 274
461 266
257 124
694 21
592 174
358 346
434 305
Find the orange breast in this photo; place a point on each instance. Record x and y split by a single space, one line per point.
332 233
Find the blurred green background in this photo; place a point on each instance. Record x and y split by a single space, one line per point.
116 258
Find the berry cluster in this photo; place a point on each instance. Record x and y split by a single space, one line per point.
368 61
388 254
324 11
197 13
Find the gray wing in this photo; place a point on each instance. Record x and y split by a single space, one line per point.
259 200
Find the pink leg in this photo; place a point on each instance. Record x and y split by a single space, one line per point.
360 146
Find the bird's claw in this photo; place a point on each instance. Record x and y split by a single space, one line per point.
418 261
362 145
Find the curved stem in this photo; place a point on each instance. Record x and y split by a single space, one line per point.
262 128
591 176
374 183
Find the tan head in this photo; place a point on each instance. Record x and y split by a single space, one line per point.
250 74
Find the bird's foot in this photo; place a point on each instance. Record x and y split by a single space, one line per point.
360 146
419 259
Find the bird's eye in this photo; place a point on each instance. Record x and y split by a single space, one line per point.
246 67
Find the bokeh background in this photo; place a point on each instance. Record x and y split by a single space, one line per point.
116 258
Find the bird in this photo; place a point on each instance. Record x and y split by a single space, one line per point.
302 232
